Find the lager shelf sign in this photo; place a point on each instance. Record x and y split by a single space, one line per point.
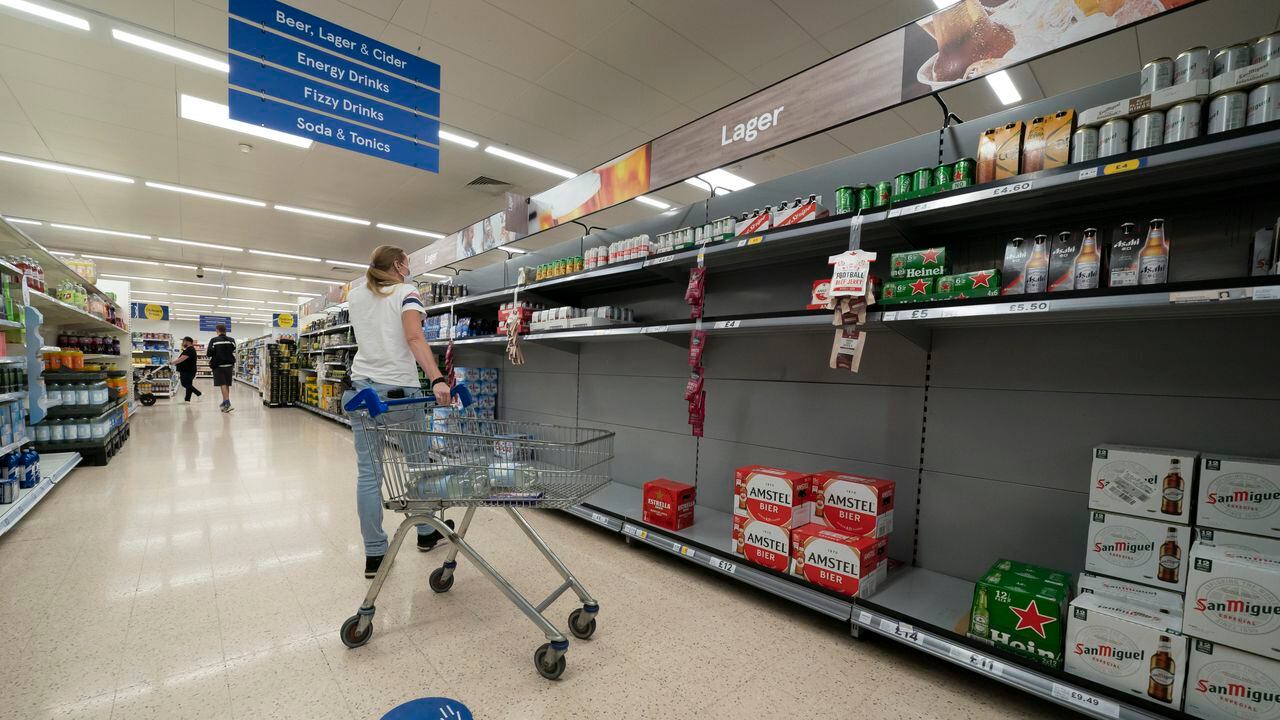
284 320
148 311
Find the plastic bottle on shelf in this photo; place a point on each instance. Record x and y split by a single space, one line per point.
55 431
42 432
84 429
82 394
98 393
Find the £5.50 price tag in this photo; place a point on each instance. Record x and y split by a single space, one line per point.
1088 701
976 660
1025 307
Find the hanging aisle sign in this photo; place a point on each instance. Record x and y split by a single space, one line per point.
284 320
210 323
296 73
148 311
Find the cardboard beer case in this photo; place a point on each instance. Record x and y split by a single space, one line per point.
773 495
1135 649
853 503
1233 598
1137 549
1224 683
1138 481
1240 494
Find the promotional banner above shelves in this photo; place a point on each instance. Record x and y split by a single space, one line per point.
284 320
294 72
148 311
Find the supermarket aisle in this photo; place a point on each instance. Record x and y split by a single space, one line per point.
205 572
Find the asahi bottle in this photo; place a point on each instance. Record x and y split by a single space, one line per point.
1038 266
1153 261
1170 558
1088 262
1172 492
1160 686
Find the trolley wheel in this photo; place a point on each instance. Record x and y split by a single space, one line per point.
147 400
581 630
552 671
353 638
437 581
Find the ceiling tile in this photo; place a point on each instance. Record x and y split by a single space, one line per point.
787 64
813 151
603 88
717 25
155 14
496 37
576 22
559 114
726 94
412 15
383 9
1089 63
873 132
819 16
874 23
462 75
670 120
201 24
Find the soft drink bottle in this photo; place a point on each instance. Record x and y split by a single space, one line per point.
33 467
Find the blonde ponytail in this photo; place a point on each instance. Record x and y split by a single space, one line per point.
382 274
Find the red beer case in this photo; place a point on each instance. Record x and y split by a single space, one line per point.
838 561
853 503
669 504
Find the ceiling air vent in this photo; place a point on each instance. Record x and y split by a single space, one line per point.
490 186
485 180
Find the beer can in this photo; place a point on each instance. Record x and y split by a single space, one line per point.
1229 59
866 196
1113 137
962 172
1147 131
1264 49
1227 112
884 190
1084 144
1182 122
846 201
1264 104
1191 64
902 184
941 175
1156 75
922 178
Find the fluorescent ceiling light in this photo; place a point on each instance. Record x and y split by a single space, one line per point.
266 275
193 282
322 215
69 169
171 50
178 265
238 307
300 292
242 287
322 282
205 194
129 277
434 275
219 115
654 202
277 302
217 270
62 252
119 259
100 231
193 243
198 297
513 250
722 180
523 160
57 16
1004 88
149 292
197 305
459 139
403 229
245 300
23 221
940 4
284 255
344 263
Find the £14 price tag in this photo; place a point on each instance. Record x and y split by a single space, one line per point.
1080 698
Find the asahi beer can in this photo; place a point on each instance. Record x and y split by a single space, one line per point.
1192 64
1264 104
1084 144
1230 58
902 184
922 178
1182 122
1147 131
846 201
866 196
1156 75
1113 137
1227 112
1264 48
962 172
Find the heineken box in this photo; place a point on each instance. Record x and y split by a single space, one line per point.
907 291
979 283
918 264
1021 610
1136 649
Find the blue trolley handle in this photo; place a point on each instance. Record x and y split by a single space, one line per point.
368 400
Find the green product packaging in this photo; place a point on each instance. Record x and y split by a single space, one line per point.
906 291
979 283
1021 610
930 262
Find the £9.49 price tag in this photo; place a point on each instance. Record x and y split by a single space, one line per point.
1088 701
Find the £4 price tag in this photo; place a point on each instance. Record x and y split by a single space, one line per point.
727 324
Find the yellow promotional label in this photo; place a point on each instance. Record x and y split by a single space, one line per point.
153 311
756 240
1123 166
284 320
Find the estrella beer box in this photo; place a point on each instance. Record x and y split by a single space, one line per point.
1130 593
1135 649
979 283
1021 609
907 291
1240 494
1149 482
853 504
1233 598
764 544
669 504
845 563
1228 684
931 262
1144 551
772 495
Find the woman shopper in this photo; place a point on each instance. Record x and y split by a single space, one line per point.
386 316
185 364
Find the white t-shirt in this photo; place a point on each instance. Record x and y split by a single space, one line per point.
383 354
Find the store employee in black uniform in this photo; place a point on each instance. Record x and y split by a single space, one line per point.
186 365
222 361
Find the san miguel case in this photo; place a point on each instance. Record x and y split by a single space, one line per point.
1233 598
853 503
1253 545
1149 482
843 562
1135 649
1240 494
1228 684
1130 592
1021 608
762 543
772 495
1137 549
668 504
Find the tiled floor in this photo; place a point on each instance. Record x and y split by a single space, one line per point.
205 571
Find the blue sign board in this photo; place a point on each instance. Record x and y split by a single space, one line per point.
299 58
210 323
318 31
148 311
268 113
315 95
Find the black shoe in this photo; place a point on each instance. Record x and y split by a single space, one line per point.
428 542
371 565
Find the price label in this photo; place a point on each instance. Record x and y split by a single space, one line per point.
1025 307
911 209
921 314
1123 166
1088 174
1011 189
687 551
977 661
702 254
908 633
727 324
1082 699
889 626
1267 293
722 565
755 240
635 531
864 617
600 519
659 260
742 243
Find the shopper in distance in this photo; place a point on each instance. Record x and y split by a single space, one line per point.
386 316
222 361
185 364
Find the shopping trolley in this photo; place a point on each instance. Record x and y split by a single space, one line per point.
430 459
148 387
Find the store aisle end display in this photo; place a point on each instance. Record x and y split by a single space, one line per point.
250 360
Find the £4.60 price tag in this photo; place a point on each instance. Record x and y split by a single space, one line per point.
1080 698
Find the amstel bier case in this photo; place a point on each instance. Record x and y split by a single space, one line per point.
1240 494
764 544
1021 608
1147 482
846 563
1233 598
1228 684
773 495
853 503
1130 647
1138 549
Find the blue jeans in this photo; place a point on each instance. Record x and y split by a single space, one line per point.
368 493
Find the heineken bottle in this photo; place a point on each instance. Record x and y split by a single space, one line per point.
980 621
